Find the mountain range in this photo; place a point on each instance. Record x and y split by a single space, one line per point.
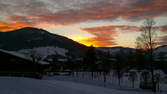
28 37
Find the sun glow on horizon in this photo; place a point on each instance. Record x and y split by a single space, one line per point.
89 42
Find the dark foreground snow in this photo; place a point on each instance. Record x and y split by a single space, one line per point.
14 85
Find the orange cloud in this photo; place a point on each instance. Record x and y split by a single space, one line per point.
106 35
103 36
110 35
113 28
97 42
4 27
163 28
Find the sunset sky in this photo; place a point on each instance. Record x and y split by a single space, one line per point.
91 22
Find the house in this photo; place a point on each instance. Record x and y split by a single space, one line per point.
15 64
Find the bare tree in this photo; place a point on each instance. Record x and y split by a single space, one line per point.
147 41
35 56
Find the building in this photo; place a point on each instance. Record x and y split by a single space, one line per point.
15 64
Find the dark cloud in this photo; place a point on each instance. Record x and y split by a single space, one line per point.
22 7
41 11
143 3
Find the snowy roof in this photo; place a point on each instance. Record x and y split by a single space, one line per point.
21 56
62 60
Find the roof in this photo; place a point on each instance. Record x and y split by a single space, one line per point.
21 56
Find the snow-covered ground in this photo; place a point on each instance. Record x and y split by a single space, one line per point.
111 82
13 85
63 85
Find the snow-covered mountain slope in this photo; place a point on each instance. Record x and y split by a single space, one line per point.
115 50
14 85
161 49
160 53
28 38
45 51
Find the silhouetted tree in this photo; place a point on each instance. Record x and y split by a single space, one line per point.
147 41
119 67
132 77
35 56
55 65
89 63
157 80
145 80
105 65
141 61
70 62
